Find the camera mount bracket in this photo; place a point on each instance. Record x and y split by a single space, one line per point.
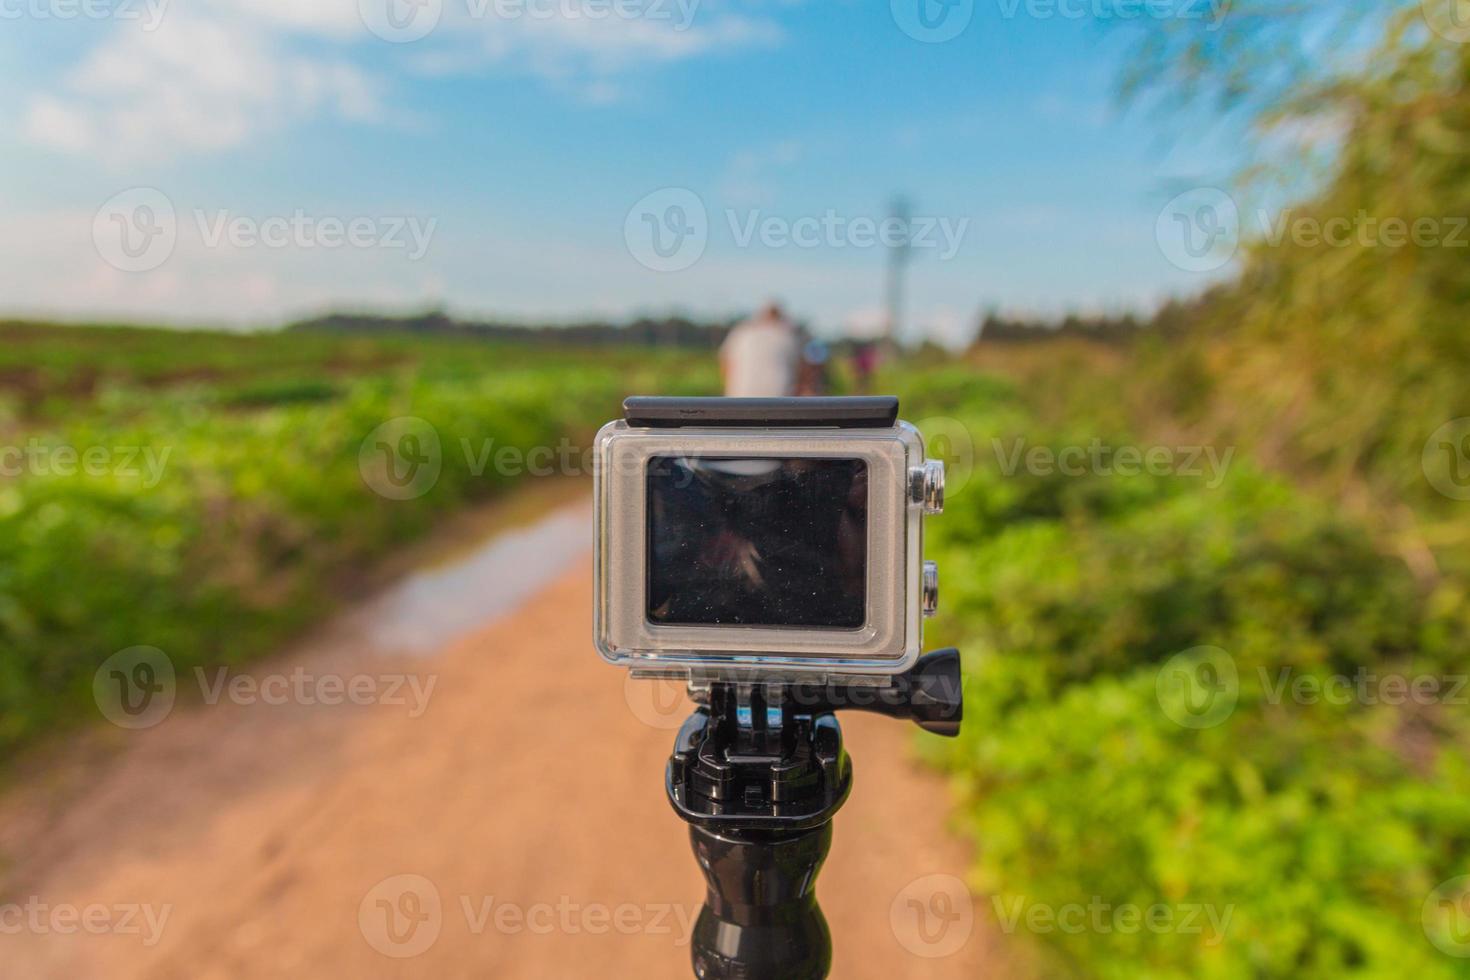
758 772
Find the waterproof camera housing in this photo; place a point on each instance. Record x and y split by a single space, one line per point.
763 536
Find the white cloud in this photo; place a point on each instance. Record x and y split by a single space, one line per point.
331 18
193 84
581 55
50 265
224 72
60 125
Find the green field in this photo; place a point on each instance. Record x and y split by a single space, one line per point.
1142 653
1101 610
207 494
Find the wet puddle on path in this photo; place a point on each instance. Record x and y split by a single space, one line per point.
422 613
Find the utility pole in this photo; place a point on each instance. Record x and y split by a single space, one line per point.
899 253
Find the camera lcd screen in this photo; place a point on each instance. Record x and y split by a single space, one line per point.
774 542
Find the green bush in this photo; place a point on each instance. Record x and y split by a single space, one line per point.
260 512
1320 829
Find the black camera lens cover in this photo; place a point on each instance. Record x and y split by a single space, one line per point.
757 541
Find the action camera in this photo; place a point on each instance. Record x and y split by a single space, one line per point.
763 535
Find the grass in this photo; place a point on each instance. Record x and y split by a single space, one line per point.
232 494
1098 613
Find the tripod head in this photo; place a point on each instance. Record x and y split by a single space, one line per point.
769 754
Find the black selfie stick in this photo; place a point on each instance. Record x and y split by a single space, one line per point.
758 773
759 770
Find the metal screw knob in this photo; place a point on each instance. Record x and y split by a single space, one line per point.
926 486
931 588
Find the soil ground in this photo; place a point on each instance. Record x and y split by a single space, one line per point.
511 824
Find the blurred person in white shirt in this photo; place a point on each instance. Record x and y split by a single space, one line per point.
762 356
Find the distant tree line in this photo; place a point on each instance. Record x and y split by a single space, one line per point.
682 332
670 331
995 328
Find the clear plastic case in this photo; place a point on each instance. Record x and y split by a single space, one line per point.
900 487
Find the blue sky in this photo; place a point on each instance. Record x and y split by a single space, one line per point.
518 137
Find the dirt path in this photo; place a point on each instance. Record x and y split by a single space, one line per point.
515 827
